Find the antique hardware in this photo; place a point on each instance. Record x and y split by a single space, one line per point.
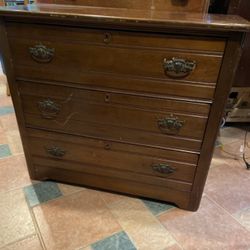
40 53
107 38
163 168
177 67
48 108
107 97
56 151
107 146
170 125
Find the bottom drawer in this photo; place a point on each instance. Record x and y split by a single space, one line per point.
180 198
166 168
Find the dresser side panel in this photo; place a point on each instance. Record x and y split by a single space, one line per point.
225 80
8 66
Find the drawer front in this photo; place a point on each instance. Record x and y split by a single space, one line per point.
114 116
114 184
159 167
50 57
114 83
136 61
117 38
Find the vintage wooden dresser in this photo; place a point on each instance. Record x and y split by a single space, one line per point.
120 99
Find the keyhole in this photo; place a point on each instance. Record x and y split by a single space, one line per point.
107 38
107 146
107 98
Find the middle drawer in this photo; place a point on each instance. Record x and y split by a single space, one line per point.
114 116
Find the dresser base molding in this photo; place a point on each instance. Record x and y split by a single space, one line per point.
180 199
134 116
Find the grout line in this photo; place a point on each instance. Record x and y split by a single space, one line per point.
45 202
123 229
217 204
39 234
66 195
90 245
157 218
150 213
21 188
166 211
12 190
57 198
177 242
241 224
15 241
158 221
6 157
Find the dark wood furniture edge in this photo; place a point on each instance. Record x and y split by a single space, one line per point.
242 76
8 69
123 17
225 81
206 6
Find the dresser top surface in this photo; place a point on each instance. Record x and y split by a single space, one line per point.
122 16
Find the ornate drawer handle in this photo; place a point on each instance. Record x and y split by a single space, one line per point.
48 108
163 168
56 151
40 53
177 67
170 125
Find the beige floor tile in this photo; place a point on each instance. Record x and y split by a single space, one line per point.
243 217
30 243
141 226
239 164
8 122
75 221
231 155
3 85
210 228
3 78
228 187
15 218
110 197
86 248
3 136
5 100
217 161
2 90
69 189
14 141
229 151
231 134
13 173
174 247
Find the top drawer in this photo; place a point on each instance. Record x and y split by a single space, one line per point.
41 52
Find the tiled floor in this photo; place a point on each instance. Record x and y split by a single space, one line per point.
49 215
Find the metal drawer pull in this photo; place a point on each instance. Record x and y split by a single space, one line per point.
170 125
40 53
163 168
48 108
56 151
177 67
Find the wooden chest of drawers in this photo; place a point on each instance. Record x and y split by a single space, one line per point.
129 102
